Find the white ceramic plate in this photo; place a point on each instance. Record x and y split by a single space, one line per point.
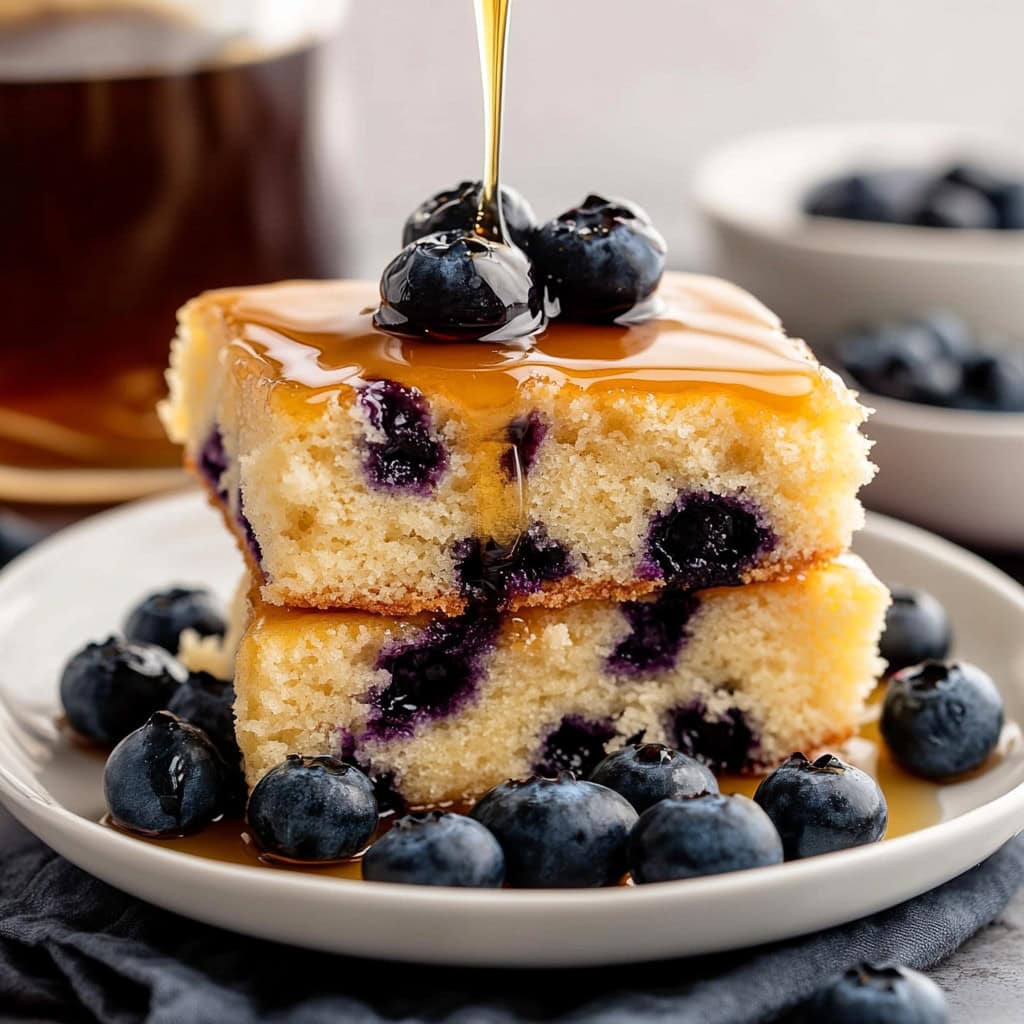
78 585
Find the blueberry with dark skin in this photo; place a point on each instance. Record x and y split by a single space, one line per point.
599 259
164 779
160 618
939 719
947 204
917 629
867 994
455 209
903 361
1005 194
558 833
111 688
950 332
436 849
710 834
455 287
312 809
645 773
208 703
877 196
823 805
994 381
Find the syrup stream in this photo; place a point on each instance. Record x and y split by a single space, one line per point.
492 35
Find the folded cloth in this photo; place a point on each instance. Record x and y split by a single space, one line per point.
74 949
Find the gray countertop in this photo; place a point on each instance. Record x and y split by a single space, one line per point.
984 981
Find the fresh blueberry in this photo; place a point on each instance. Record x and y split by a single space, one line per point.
880 196
645 773
952 334
823 805
17 534
455 287
160 618
164 779
1005 194
525 435
902 361
576 745
405 452
1009 203
994 381
949 205
455 209
436 849
312 809
599 259
917 629
941 719
709 834
706 540
877 995
111 688
208 703
558 833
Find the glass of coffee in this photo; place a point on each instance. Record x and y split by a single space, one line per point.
149 149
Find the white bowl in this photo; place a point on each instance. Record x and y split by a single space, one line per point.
961 473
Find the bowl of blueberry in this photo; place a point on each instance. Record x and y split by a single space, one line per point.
948 422
842 223
897 251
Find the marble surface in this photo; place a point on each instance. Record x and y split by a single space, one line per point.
983 981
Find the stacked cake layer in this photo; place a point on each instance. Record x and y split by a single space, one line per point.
441 709
359 470
470 562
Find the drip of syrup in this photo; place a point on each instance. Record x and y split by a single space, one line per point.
492 33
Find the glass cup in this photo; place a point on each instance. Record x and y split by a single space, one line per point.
149 149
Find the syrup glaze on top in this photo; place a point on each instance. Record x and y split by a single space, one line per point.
318 337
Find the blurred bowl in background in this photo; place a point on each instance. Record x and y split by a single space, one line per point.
955 471
822 274
958 472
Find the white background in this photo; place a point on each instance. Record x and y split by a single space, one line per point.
624 95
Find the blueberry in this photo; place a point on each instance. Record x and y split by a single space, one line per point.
706 540
490 572
208 703
111 688
710 834
645 773
405 452
1005 195
455 209
576 745
917 629
994 381
941 719
525 435
17 534
879 197
212 462
725 740
161 617
431 675
903 361
312 808
658 632
952 334
823 805
947 204
878 995
558 833
599 259
436 849
454 287
164 779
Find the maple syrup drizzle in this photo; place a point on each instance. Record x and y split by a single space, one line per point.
492 35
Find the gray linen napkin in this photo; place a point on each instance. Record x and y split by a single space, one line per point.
73 949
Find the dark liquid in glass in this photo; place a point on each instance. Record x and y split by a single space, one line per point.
121 196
